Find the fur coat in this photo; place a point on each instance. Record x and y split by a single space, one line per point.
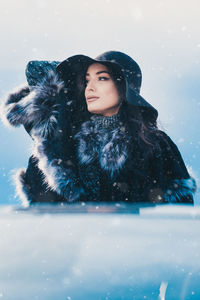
89 160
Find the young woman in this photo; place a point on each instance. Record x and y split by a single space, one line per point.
95 137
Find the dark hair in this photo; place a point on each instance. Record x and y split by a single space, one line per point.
139 119
80 85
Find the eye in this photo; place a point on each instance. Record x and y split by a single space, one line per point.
101 78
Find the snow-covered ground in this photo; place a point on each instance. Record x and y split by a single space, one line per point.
100 252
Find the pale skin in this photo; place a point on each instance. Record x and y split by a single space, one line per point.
101 93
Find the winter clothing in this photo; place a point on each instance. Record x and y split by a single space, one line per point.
95 159
122 64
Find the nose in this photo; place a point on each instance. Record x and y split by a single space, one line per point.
90 86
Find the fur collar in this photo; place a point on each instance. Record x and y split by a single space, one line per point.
109 147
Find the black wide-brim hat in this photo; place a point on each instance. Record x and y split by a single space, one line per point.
119 62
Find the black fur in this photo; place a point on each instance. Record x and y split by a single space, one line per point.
57 172
12 109
22 188
180 189
109 147
38 108
66 170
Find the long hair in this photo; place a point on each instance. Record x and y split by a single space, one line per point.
141 123
143 128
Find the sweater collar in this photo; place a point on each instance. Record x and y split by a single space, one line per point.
107 122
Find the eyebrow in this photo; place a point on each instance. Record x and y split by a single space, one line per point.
87 74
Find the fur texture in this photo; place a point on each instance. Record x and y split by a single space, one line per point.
105 148
180 189
11 112
108 147
58 174
38 108
22 189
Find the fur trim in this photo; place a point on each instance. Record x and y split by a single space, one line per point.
58 175
109 147
88 143
21 187
38 108
11 111
44 111
114 152
180 189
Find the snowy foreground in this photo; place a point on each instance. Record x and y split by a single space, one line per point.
100 252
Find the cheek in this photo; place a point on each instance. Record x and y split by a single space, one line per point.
85 93
112 94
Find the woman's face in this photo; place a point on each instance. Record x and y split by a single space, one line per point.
101 93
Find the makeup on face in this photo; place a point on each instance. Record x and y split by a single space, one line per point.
101 93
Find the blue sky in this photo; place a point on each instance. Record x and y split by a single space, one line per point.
162 36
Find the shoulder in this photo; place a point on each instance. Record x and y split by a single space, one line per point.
173 162
166 144
163 139
179 185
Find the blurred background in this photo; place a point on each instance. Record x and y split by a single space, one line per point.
162 36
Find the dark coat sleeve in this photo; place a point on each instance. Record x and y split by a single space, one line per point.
36 70
45 112
34 186
177 183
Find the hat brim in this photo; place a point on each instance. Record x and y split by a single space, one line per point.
78 64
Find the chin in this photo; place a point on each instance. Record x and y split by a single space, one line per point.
94 110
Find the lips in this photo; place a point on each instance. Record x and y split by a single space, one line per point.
92 98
